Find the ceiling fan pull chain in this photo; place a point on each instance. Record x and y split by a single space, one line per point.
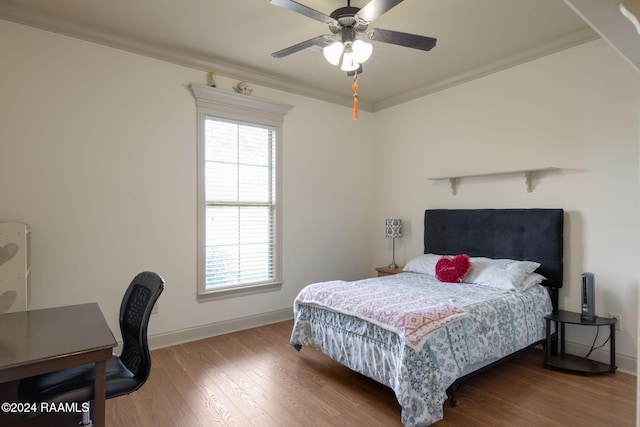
355 95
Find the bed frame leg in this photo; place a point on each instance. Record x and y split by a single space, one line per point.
454 387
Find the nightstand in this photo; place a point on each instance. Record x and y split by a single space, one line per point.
570 362
386 271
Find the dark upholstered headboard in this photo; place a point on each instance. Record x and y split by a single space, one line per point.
522 234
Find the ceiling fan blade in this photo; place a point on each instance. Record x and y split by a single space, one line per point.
321 41
375 8
402 39
304 10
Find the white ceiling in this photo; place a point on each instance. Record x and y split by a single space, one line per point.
236 38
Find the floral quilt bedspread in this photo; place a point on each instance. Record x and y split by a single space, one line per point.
497 323
398 309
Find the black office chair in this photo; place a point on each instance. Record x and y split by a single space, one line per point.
124 374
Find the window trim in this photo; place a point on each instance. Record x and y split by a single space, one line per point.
251 110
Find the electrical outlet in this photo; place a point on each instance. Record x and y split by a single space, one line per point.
619 322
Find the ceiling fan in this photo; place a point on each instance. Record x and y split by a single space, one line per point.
346 24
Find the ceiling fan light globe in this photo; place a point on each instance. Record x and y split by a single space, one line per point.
349 63
361 51
333 52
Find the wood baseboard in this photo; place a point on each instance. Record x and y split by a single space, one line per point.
219 328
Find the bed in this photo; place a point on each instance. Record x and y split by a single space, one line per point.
375 326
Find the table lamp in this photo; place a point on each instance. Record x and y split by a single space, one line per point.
393 230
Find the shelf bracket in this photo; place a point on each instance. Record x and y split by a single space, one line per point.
454 185
528 175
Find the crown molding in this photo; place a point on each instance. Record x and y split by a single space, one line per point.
175 56
285 84
570 40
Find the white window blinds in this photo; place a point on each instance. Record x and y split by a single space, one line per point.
240 203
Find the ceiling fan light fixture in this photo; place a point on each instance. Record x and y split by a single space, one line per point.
333 52
361 51
348 62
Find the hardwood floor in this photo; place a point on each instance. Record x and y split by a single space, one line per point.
255 378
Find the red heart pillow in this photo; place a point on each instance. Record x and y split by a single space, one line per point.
454 269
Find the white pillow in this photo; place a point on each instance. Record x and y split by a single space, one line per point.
531 280
499 273
423 264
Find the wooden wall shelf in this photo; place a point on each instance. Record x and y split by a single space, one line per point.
454 180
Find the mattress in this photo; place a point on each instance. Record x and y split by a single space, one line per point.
495 324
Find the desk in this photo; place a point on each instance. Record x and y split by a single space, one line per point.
38 341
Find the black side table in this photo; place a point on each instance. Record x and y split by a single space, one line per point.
570 362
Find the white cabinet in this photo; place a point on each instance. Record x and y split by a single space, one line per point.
15 267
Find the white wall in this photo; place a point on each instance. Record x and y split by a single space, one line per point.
98 155
576 110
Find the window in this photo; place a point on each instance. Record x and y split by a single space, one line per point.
238 200
240 203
